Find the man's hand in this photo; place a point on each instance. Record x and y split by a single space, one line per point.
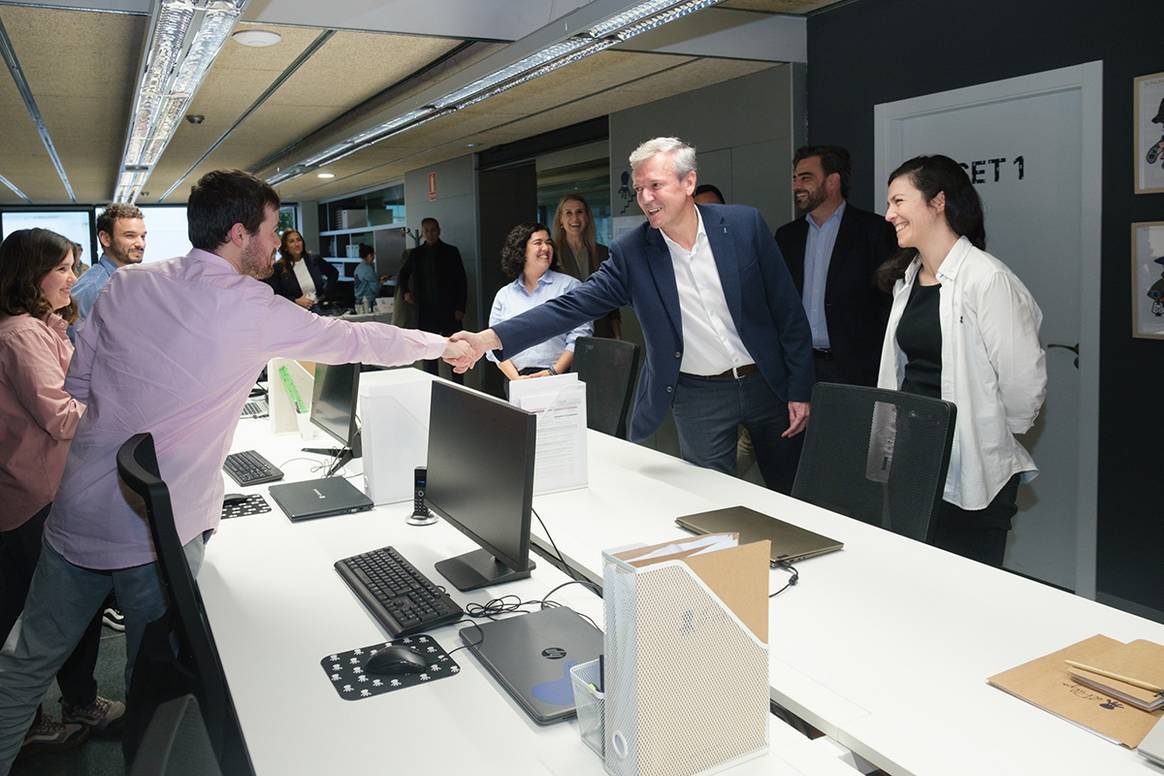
481 342
408 297
797 418
459 355
459 315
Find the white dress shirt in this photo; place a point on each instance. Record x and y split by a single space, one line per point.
306 282
513 299
993 369
711 344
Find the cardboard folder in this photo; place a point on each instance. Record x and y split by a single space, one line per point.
1045 683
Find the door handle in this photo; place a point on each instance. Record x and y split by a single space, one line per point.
1073 348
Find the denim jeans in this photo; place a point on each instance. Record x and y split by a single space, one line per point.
59 607
707 412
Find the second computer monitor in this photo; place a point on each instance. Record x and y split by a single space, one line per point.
333 404
480 479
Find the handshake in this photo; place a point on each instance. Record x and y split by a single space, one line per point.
466 348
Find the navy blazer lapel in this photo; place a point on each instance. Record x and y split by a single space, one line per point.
663 272
723 247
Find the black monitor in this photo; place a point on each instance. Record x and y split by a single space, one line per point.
480 479
333 408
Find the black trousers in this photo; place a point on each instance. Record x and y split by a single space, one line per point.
978 534
19 553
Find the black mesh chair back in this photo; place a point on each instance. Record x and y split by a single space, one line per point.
176 743
877 456
609 368
137 464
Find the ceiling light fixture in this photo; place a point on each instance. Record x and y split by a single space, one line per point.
256 38
325 175
597 36
185 37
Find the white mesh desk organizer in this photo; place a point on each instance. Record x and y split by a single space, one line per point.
686 656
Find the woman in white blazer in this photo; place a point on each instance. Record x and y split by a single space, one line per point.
962 328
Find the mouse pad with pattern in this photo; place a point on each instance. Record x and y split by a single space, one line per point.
345 669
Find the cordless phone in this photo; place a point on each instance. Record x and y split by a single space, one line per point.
420 511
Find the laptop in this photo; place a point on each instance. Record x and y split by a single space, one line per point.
790 543
531 657
1152 747
310 499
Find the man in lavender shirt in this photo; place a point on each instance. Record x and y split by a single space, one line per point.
171 348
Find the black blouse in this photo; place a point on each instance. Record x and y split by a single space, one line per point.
919 334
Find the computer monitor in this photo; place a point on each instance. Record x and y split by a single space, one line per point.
333 408
480 479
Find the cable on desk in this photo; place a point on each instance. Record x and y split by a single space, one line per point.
565 566
792 580
512 604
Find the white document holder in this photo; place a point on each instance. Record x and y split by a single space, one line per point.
283 415
394 433
686 679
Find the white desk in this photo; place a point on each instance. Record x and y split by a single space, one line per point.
884 646
277 607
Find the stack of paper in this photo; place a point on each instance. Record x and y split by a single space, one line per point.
1132 673
1046 683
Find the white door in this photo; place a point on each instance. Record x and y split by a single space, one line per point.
1032 147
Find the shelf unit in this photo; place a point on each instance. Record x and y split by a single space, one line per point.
376 218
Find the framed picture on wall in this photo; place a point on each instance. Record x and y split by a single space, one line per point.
1148 280
1149 133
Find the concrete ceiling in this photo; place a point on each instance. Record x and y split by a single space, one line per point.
83 86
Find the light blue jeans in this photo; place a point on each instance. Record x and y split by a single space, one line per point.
60 604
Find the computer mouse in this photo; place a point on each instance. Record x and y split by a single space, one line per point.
230 499
395 661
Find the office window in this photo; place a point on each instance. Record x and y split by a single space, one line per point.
73 224
166 235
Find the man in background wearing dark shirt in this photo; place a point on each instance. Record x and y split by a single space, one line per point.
433 278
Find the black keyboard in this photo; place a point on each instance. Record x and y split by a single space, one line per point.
250 468
400 597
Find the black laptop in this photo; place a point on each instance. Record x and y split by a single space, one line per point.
319 498
531 657
790 543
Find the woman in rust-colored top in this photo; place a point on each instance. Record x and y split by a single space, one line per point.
37 421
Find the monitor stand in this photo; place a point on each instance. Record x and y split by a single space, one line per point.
479 569
344 457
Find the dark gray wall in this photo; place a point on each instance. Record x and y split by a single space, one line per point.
876 51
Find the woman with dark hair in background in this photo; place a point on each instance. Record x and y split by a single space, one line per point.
965 329
37 421
527 256
303 278
580 254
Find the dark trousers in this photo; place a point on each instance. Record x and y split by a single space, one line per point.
978 534
19 553
708 412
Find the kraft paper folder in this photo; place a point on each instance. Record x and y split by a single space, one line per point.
1132 672
686 656
1046 683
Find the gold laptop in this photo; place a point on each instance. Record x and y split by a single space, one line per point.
790 543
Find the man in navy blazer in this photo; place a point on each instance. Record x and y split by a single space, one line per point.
727 341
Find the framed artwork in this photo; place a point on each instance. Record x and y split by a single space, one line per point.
1149 133
1148 280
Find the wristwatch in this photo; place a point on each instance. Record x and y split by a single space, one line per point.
551 370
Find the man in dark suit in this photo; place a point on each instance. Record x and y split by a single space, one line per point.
433 278
833 252
727 343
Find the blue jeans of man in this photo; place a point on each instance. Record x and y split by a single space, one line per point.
708 412
60 605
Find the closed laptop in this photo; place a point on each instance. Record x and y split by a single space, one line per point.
790 543
310 499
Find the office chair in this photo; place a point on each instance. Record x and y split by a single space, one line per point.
609 368
877 456
197 657
176 743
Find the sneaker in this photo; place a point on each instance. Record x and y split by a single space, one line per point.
46 734
102 716
113 619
